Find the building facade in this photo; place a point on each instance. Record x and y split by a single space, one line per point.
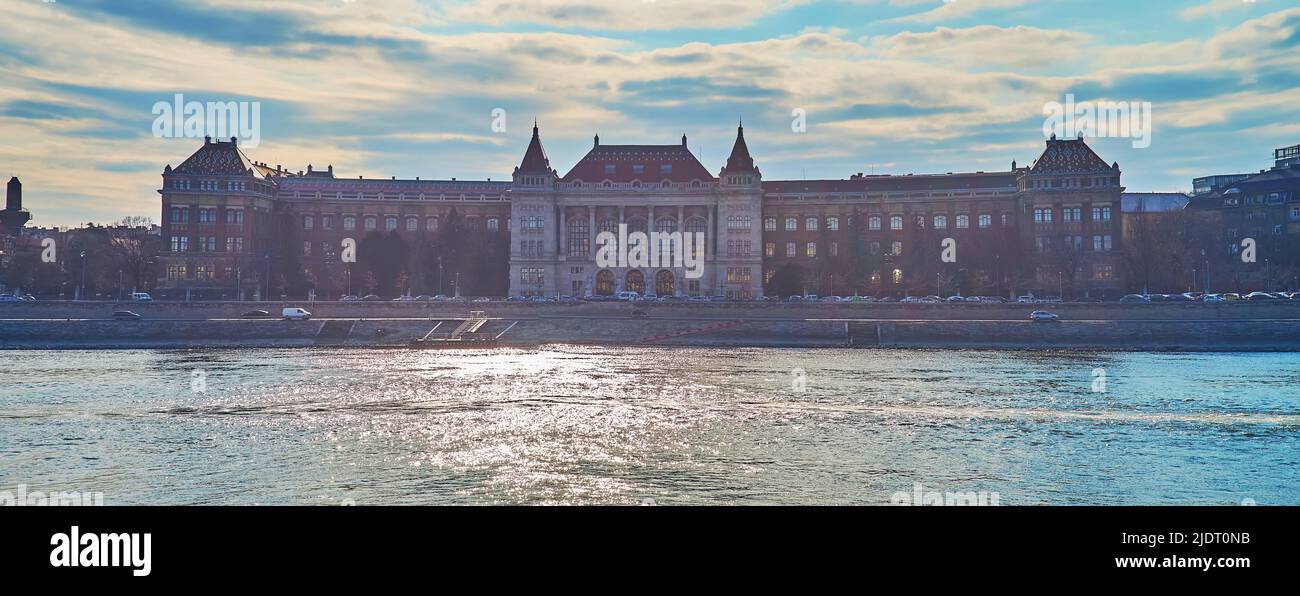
237 228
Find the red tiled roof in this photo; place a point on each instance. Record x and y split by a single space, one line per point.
921 182
682 165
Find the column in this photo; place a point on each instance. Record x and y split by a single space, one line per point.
564 232
709 248
591 234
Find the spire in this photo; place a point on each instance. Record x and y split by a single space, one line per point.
14 195
740 161
535 161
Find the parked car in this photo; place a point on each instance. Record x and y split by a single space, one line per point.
1042 316
370 298
125 315
1213 299
1232 296
295 314
1087 300
255 314
1260 296
1134 299
141 297
27 298
1026 300
1178 298
628 296
482 299
349 298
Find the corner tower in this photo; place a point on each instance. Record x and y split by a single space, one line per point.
534 229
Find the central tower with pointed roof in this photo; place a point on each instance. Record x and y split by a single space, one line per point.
634 188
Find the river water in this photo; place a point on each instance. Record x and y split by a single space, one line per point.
582 424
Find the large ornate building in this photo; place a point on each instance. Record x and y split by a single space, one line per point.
236 227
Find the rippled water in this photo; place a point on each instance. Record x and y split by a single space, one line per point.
623 425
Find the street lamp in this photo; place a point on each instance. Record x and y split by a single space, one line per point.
81 291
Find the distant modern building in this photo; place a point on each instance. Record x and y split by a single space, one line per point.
1264 207
233 226
1286 156
1208 184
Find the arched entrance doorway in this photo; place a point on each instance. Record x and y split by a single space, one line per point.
664 285
605 283
635 281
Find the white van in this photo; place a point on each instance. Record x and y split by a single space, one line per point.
141 297
296 314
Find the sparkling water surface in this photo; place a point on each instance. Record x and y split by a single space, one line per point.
583 424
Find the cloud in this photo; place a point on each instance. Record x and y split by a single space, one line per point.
618 14
358 86
986 46
957 9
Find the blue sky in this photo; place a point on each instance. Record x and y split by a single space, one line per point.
408 87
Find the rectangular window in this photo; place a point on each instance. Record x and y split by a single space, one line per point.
790 249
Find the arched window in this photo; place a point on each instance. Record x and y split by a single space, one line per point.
941 222
664 285
349 223
635 281
608 224
370 224
412 224
665 224
963 222
390 223
636 224
832 223
431 224
791 224
810 224
605 283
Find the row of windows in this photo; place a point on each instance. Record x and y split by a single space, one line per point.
810 249
1100 243
391 223
184 184
1070 214
206 215
1075 182
792 224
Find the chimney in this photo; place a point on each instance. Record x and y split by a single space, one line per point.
14 196
207 139
234 141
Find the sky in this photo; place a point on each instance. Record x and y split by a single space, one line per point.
408 88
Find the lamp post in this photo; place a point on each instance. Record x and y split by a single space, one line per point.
267 296
81 290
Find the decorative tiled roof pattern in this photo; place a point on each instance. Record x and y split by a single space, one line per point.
221 158
1069 156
